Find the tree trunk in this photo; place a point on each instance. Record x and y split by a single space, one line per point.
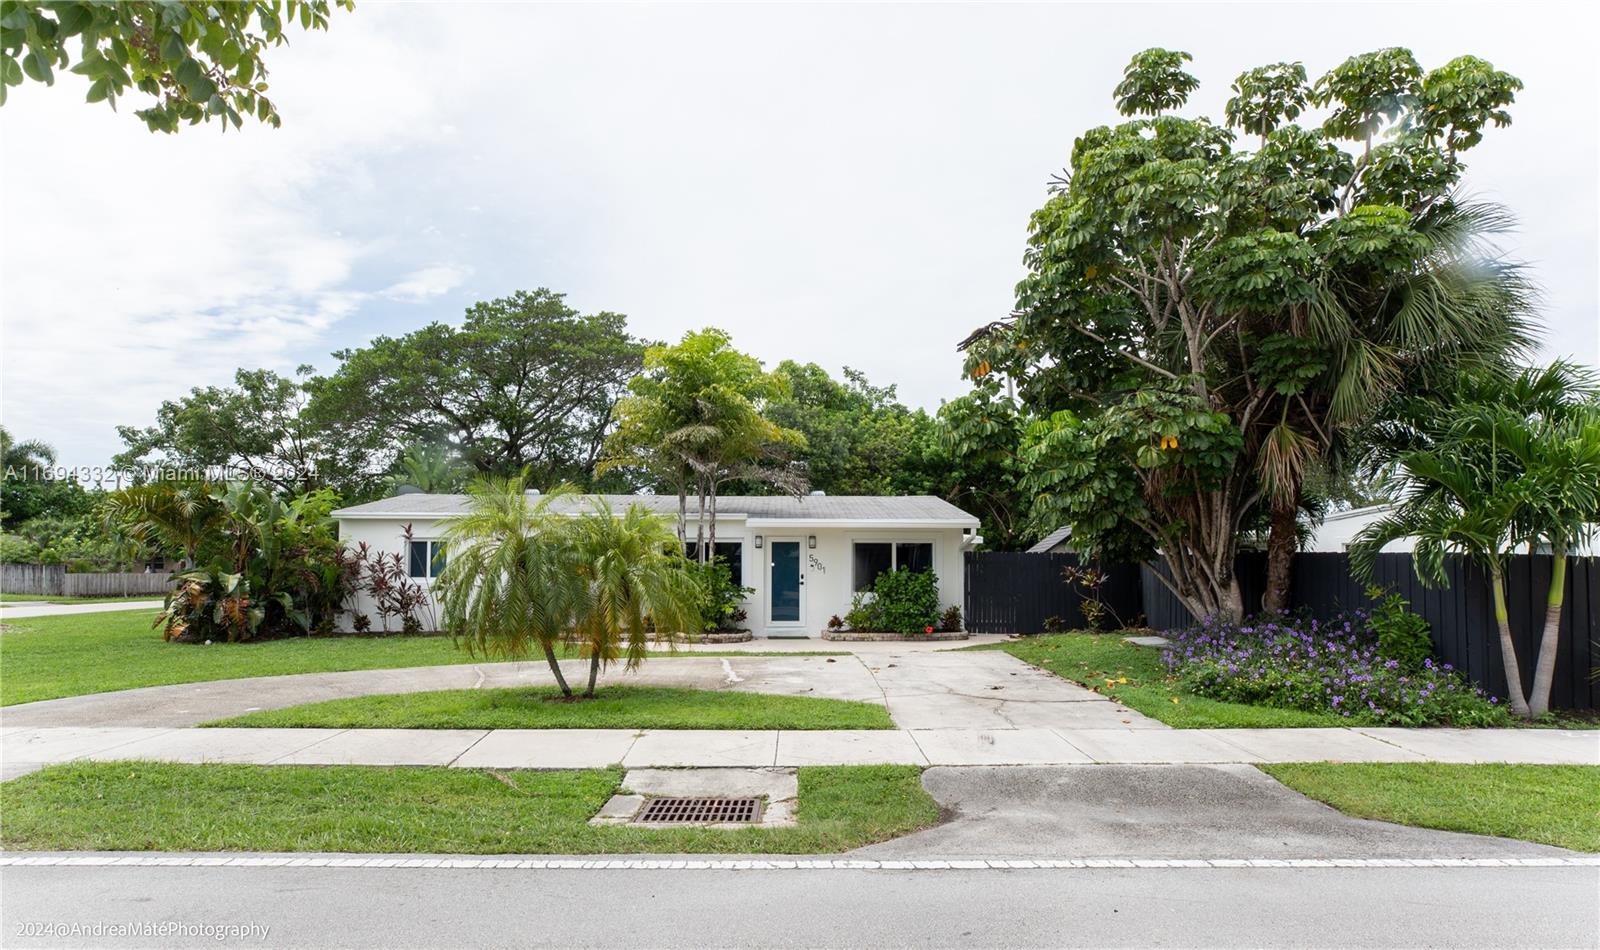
594 673
711 547
1508 647
555 667
1544 670
1230 604
1282 543
683 515
700 526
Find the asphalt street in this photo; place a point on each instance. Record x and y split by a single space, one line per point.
452 907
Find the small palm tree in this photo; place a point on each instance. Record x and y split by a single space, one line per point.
1510 461
633 576
512 582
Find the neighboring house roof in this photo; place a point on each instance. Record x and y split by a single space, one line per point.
1050 541
853 509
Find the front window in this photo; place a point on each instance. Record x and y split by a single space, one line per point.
872 558
730 553
427 558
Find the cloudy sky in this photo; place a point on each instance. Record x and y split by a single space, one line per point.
844 184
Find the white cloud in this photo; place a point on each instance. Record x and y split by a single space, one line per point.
427 283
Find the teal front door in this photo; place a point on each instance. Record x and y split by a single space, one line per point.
785 582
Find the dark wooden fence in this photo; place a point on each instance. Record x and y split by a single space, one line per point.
1015 592
1008 594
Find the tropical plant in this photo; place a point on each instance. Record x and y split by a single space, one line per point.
721 600
1402 636
694 420
1202 326
199 60
633 579
512 583
266 565
1506 461
427 467
209 604
176 515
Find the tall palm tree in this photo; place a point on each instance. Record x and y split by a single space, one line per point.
1507 461
634 576
1382 326
512 582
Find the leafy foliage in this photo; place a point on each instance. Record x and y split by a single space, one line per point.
526 383
1402 635
859 438
1204 328
199 60
903 601
1502 461
721 600
694 421
270 567
260 429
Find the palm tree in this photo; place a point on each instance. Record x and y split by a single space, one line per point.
512 581
1507 461
165 515
1380 331
634 577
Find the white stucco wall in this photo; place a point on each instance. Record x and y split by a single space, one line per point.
826 569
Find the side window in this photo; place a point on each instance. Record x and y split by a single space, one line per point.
425 558
871 559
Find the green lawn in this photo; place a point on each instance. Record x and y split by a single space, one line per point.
146 806
614 707
1550 804
1135 677
50 657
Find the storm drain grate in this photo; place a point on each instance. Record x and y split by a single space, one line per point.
708 810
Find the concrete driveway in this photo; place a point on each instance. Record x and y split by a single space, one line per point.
1160 811
16 610
923 689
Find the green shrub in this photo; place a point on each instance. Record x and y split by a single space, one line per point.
863 613
906 601
721 600
1402 635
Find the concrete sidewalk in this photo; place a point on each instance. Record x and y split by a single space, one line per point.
28 749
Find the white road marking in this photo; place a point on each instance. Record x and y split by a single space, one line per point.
756 864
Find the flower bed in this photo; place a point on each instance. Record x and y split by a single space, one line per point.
871 635
1332 666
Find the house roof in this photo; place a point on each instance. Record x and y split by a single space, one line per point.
855 509
1049 541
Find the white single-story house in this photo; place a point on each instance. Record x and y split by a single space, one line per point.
803 557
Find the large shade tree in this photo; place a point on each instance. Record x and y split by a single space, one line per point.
525 383
1210 309
258 429
859 438
1501 463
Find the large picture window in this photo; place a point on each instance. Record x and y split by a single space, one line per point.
426 558
872 558
732 552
